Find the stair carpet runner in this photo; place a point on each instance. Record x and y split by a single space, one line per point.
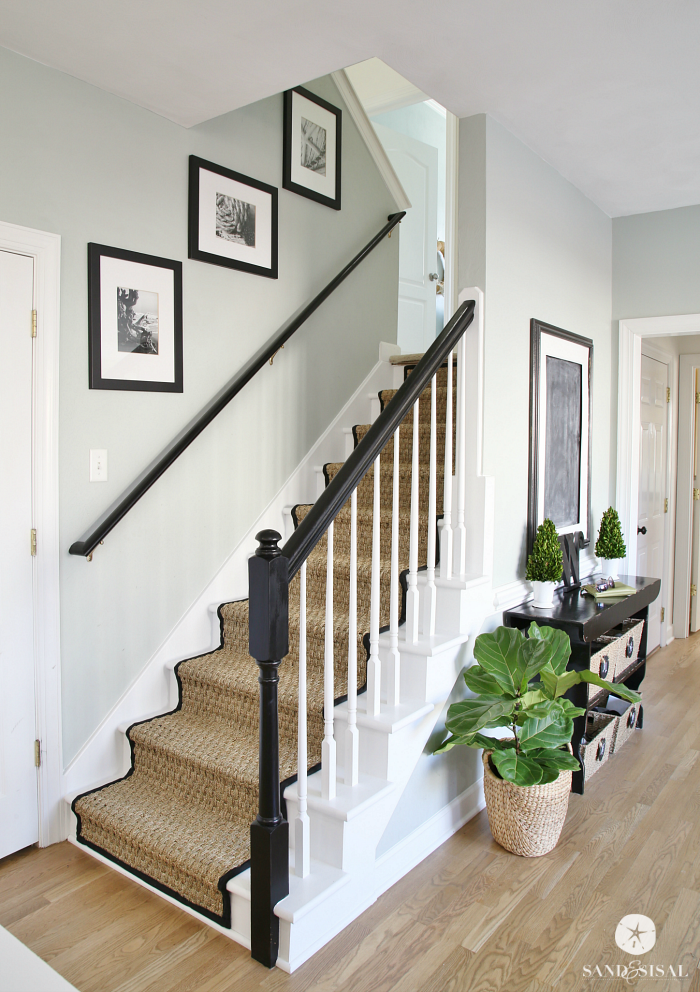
180 818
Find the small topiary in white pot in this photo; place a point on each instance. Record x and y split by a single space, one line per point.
610 546
544 565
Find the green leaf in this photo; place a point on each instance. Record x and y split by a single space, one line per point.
558 642
564 682
500 654
469 715
563 761
535 656
550 730
531 698
493 743
616 688
569 709
449 743
517 768
480 681
549 774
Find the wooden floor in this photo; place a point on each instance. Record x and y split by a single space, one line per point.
470 917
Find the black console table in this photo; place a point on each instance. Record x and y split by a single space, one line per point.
584 620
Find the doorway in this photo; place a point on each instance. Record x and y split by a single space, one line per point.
19 806
420 140
653 499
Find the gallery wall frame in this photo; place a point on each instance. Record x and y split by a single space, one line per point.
312 147
134 320
559 485
232 219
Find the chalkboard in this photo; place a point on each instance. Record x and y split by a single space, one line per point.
562 471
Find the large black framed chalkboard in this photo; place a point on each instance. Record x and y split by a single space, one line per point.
560 431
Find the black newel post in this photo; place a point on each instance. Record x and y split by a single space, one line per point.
269 834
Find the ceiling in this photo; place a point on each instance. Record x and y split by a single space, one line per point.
606 91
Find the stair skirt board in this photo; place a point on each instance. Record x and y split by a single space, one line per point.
180 818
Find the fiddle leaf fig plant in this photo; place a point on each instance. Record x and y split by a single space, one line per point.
520 681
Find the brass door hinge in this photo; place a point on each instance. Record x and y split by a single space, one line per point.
663 613
697 397
32 540
693 589
37 753
666 504
33 323
696 493
668 394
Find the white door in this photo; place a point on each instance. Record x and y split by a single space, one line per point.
652 485
19 823
416 165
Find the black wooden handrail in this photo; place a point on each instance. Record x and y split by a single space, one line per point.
335 495
111 517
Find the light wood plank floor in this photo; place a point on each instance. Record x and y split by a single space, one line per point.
470 917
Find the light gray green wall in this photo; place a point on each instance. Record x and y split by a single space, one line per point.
656 262
546 254
92 167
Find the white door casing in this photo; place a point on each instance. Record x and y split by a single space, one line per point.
652 484
19 812
416 165
686 565
45 250
678 520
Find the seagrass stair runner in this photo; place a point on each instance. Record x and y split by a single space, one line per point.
180 818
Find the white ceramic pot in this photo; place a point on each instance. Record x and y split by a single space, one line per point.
609 567
544 594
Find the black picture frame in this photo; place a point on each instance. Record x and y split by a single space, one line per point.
236 252
293 178
111 366
537 452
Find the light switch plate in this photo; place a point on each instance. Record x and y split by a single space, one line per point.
98 464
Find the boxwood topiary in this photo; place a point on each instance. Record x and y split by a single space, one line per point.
545 562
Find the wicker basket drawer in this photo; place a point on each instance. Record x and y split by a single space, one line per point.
629 636
604 657
600 737
625 725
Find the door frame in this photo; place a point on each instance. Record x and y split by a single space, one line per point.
627 488
45 249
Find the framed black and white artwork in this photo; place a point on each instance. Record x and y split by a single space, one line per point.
560 431
134 320
312 147
232 219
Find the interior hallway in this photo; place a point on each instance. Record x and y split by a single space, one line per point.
470 916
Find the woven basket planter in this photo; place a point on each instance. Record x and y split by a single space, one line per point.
526 820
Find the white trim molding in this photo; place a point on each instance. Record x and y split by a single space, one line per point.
45 249
369 136
627 496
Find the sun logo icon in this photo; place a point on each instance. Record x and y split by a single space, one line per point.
635 934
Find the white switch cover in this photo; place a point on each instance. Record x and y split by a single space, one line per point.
98 464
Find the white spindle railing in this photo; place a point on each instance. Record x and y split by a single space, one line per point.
393 674
412 591
374 677
446 531
328 757
352 741
460 553
302 856
430 601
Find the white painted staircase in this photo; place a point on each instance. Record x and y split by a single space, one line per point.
345 875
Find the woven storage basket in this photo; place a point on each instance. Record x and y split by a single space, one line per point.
604 657
625 725
600 732
630 636
526 820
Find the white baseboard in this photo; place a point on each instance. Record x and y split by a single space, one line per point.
101 757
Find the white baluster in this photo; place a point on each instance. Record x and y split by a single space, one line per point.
328 759
412 591
394 669
352 741
446 531
302 854
460 555
374 671
430 601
